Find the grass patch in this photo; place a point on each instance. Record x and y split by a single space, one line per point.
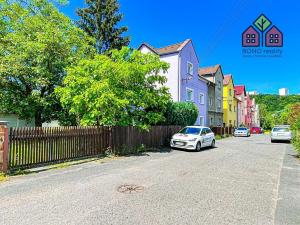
3 177
219 137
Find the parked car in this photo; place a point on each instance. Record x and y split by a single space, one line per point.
256 130
193 138
242 132
281 133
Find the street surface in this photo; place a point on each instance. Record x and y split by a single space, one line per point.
238 182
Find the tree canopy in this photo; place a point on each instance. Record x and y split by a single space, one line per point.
99 19
124 88
37 43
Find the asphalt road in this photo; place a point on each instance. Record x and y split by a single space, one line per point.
238 182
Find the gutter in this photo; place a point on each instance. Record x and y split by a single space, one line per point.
179 70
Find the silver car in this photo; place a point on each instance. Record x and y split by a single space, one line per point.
281 133
242 132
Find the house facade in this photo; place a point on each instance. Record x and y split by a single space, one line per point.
255 114
182 77
249 112
240 93
14 121
214 76
230 103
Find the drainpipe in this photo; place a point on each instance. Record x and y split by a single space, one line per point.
179 75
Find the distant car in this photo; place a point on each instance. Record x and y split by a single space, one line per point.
256 130
242 132
193 138
281 133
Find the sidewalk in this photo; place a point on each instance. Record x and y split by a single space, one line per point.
288 205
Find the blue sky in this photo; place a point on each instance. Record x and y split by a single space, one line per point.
215 28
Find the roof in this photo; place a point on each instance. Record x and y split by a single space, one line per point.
240 89
209 82
227 79
168 49
208 70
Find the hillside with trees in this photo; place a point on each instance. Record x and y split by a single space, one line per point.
275 109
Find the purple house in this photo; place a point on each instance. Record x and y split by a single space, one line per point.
274 37
250 37
182 77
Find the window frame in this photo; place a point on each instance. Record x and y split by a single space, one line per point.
190 64
203 98
201 117
192 91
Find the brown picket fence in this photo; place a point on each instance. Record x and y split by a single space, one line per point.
30 147
222 130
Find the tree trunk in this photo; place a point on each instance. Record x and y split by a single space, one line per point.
38 119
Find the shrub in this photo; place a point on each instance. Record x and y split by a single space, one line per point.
181 113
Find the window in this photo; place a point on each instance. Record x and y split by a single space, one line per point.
201 121
219 103
211 121
220 122
190 68
234 108
230 92
230 107
189 94
219 84
208 131
203 132
230 122
210 101
201 98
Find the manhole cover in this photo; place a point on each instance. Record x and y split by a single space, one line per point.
130 188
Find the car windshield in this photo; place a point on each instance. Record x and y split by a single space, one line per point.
190 130
281 129
242 128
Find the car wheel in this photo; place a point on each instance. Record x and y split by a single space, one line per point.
198 147
272 141
213 144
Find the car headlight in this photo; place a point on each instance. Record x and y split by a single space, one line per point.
194 139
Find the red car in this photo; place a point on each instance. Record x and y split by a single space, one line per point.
256 130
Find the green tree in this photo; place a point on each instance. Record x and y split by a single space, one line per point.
181 113
126 88
99 19
36 44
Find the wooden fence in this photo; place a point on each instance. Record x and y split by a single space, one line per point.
29 147
223 130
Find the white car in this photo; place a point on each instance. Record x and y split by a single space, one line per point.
193 138
281 133
242 132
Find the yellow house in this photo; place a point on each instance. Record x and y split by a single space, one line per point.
230 102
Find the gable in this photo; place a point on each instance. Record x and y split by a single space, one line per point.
190 48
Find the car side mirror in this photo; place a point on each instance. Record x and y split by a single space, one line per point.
203 134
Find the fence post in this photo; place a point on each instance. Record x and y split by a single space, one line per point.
3 147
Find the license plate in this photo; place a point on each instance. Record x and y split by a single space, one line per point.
179 143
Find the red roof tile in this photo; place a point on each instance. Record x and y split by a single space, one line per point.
240 89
